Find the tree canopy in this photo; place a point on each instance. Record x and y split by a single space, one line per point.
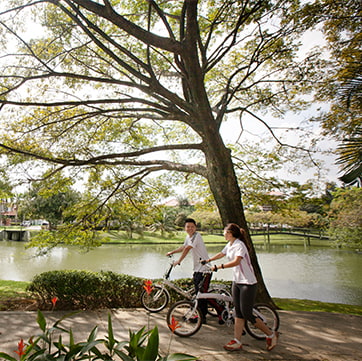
105 85
341 23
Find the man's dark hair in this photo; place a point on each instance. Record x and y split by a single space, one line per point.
190 220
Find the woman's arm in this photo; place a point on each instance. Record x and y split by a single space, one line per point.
230 264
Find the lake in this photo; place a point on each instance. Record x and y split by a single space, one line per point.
321 274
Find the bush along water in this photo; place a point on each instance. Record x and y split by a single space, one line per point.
79 289
50 345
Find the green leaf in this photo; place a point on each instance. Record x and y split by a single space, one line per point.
123 356
73 351
151 350
91 346
111 340
92 336
71 338
179 357
41 321
7 357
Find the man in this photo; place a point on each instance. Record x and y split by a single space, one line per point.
195 243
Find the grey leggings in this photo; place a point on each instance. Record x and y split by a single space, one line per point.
243 298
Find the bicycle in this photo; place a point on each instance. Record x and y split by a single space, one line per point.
159 296
188 318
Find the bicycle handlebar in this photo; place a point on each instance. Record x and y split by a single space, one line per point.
168 272
208 265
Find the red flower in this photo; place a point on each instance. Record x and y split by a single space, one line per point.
54 301
174 324
148 286
21 348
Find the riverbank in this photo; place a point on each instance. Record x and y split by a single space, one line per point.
14 297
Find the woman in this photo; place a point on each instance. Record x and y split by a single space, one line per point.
243 288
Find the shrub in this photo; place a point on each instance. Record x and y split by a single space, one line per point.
77 289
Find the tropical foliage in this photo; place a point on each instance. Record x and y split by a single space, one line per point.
346 217
143 345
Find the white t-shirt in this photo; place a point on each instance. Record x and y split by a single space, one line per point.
243 272
199 251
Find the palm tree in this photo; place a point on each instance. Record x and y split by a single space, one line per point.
350 157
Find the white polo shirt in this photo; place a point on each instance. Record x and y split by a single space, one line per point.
199 251
243 272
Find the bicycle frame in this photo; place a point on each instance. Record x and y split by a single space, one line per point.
227 299
166 282
190 317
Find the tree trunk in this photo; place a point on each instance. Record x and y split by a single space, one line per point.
225 189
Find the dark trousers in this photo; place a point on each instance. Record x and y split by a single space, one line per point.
244 297
201 283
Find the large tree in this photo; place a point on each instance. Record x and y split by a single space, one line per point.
124 89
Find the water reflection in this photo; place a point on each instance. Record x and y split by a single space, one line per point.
329 275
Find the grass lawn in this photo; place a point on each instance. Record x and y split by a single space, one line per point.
10 289
291 304
179 237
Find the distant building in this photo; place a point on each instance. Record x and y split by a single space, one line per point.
8 212
172 203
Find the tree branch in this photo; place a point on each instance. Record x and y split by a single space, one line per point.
116 159
107 12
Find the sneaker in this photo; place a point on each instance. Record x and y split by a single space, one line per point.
271 342
233 346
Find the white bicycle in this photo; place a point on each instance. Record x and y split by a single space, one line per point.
158 298
188 316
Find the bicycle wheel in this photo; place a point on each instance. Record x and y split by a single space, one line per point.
268 315
221 290
156 301
187 319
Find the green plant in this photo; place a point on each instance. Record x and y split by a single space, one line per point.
79 289
50 345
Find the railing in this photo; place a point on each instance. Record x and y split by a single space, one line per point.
304 232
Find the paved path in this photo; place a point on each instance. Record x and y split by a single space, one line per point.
306 336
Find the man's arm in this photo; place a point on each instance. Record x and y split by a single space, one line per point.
186 250
177 250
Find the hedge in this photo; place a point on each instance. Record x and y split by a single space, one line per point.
80 289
